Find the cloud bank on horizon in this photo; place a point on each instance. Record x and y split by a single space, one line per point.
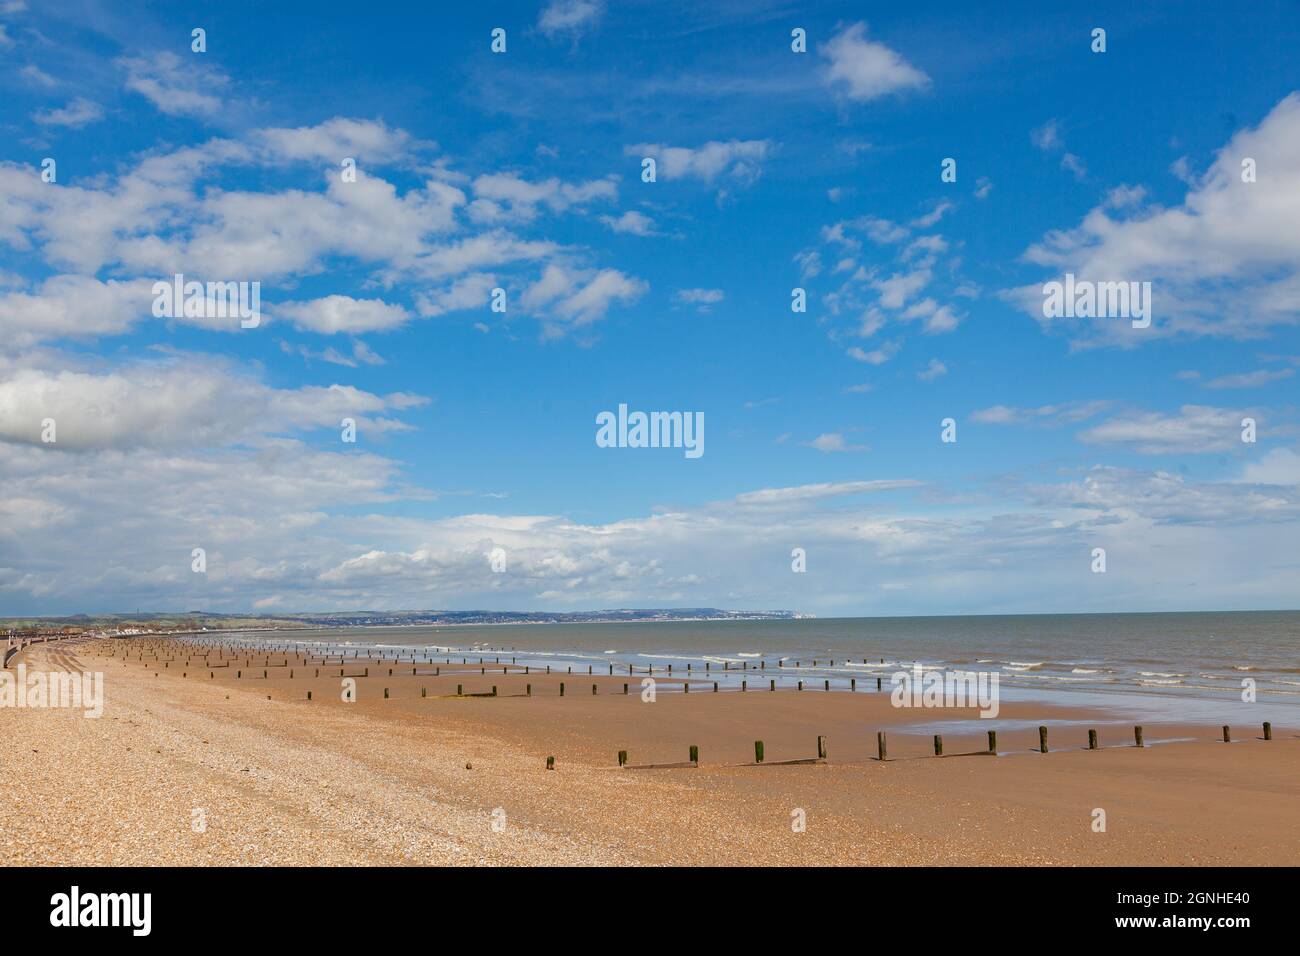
830 237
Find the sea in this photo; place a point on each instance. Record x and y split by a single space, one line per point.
1193 666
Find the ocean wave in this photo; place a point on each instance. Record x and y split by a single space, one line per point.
1160 674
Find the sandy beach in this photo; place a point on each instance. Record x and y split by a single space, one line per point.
190 764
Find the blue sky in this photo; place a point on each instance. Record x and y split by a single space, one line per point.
522 171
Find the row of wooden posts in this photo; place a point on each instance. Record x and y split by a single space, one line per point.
883 752
631 669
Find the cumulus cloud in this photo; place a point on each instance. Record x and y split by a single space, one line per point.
866 69
1254 379
1063 414
341 313
631 222
934 370
174 86
833 442
505 196
1194 429
702 300
573 297
78 113
736 159
191 403
1225 261
72 306
337 139
305 529
569 16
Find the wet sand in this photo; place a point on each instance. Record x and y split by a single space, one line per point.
442 779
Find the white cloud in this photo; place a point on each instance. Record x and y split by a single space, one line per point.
935 369
176 87
738 159
833 442
70 306
189 403
701 299
572 297
1047 137
877 356
631 222
569 16
1195 429
341 313
505 196
78 113
1065 413
1280 466
866 69
1250 379
337 139
34 75
1226 261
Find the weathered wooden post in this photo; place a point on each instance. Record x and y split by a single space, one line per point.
1227 734
309 695
686 687
827 685
993 742
938 746
801 685
771 685
1042 740
758 751
821 748
1092 740
715 687
744 685
550 763
424 692
460 689
593 690
880 744
622 758
1137 736
385 693
695 754
1268 730
561 688
878 681
625 690
528 690
853 683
